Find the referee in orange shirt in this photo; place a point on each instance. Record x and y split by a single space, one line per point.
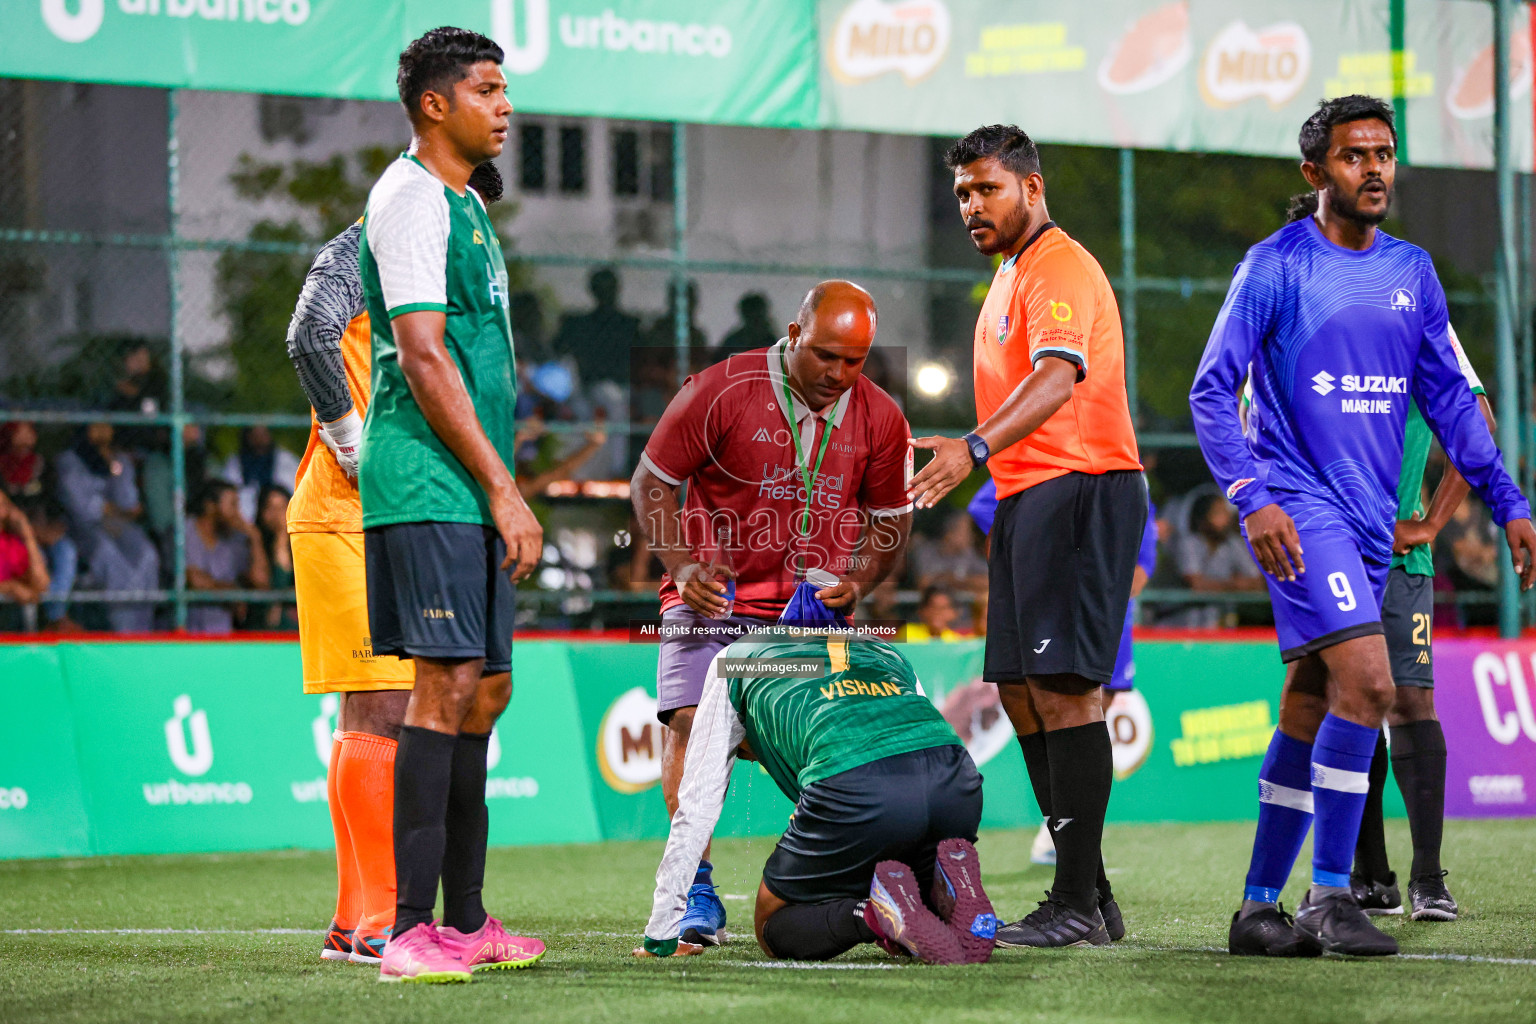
1055 431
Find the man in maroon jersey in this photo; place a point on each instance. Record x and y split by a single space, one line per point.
794 462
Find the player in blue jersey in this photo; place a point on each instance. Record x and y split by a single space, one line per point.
1341 326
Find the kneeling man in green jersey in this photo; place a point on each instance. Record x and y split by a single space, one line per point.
887 802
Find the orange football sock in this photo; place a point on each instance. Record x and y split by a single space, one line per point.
367 785
349 890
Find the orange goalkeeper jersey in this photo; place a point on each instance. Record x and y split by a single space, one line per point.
324 500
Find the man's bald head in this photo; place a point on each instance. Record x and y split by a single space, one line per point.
829 341
839 305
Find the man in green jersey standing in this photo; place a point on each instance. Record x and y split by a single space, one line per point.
1418 744
887 802
443 522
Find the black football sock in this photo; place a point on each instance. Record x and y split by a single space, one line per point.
468 824
423 767
817 931
1038 765
1418 763
1371 846
1082 770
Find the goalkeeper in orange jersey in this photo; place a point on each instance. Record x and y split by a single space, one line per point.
329 344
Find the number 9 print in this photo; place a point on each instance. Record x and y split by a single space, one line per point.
1339 584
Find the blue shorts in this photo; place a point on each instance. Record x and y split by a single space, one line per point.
1338 598
1124 677
437 590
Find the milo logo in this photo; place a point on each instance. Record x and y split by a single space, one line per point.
1242 64
872 37
629 743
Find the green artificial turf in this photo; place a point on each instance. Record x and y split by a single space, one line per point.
1178 885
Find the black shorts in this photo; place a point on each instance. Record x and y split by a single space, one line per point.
1063 554
437 590
1407 609
896 808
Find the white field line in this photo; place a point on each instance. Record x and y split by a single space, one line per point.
774 964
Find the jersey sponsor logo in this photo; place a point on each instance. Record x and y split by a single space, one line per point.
873 37
1237 486
1243 64
496 284
1002 329
1060 311
1374 384
1367 405
1322 383
1402 299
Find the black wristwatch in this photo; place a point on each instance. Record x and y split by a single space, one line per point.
980 453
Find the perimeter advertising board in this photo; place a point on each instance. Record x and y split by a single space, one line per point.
116 748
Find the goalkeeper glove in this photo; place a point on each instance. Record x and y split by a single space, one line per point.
344 437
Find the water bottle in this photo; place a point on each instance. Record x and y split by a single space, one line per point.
722 559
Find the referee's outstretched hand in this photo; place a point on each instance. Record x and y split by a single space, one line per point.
1522 550
951 464
1272 535
519 529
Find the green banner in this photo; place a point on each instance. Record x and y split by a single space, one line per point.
114 748
746 62
1205 75
1224 75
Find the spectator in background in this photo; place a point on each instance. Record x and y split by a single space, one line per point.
528 341
21 467
936 616
99 491
756 329
952 560
603 344
272 524
259 463
531 478
52 530
661 339
162 514
140 386
1213 559
224 552
23 567
600 340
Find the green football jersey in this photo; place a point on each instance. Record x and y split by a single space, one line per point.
866 707
1417 439
425 247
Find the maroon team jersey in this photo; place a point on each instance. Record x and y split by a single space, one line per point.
727 434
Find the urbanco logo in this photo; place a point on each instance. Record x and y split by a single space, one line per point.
84 23
527 50
199 758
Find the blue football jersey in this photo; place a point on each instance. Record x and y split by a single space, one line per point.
1337 342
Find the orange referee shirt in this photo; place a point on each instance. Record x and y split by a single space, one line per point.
324 500
1053 299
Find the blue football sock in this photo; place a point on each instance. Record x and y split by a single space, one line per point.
702 876
1285 814
1341 778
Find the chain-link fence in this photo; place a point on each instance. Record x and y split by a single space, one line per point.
152 245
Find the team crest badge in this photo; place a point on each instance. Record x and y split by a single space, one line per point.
1002 328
